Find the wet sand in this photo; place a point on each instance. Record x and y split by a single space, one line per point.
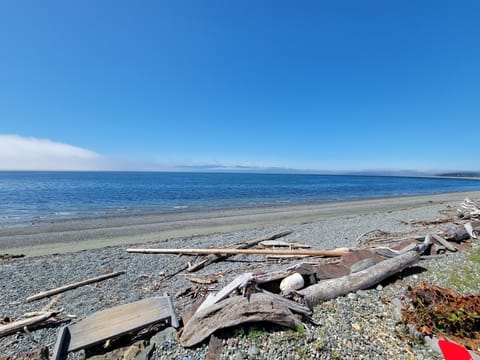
44 238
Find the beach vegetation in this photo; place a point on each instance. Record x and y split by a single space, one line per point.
474 256
255 333
303 352
436 310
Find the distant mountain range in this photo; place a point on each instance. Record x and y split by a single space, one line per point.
461 174
280 170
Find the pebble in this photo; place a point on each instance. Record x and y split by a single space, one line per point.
253 351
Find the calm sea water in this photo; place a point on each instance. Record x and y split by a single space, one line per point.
32 196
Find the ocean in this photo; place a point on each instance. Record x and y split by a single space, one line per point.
40 196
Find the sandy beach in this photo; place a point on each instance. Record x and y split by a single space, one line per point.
36 239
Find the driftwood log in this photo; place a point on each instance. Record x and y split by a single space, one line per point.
334 252
21 324
235 311
61 289
332 288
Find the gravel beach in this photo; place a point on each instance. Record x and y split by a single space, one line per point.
361 325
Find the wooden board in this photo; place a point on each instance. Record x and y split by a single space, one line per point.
114 322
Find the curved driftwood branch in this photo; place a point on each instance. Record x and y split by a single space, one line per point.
332 288
234 311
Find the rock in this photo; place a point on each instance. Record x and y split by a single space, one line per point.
397 309
379 287
352 296
356 326
146 354
165 337
238 355
40 354
362 293
254 352
135 349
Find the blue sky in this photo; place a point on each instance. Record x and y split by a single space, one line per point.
325 85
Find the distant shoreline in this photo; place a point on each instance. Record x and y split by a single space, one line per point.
62 236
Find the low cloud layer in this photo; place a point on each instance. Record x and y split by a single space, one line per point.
28 153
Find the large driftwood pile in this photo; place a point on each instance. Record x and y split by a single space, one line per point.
469 209
288 296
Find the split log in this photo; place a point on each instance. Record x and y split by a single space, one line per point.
332 288
239 282
211 258
334 252
21 324
61 289
235 311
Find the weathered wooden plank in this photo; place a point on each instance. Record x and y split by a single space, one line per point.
113 322
118 320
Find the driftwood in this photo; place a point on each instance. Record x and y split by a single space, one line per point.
113 323
471 230
211 258
458 233
72 286
207 280
290 304
332 288
21 324
334 252
444 243
235 311
239 282
215 347
469 209
281 243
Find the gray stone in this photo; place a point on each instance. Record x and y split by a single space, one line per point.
254 352
362 293
168 335
146 354
397 309
238 355
352 296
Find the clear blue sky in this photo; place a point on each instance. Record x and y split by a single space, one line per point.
298 84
